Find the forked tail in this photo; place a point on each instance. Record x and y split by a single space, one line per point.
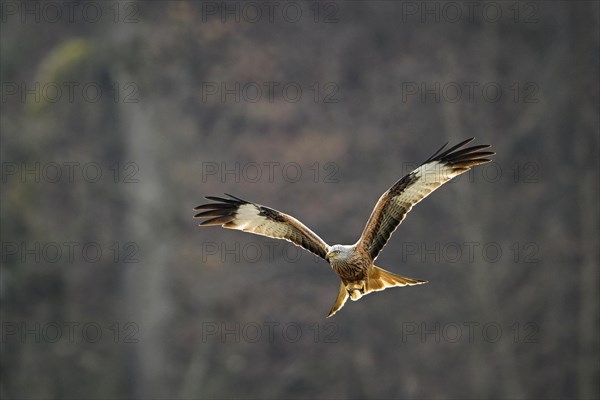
378 279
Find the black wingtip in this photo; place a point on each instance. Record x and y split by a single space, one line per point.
236 198
213 198
436 153
458 152
221 220
221 199
220 208
458 146
203 207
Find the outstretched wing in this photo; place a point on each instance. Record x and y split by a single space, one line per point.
394 204
235 213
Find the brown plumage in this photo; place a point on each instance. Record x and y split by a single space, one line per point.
354 264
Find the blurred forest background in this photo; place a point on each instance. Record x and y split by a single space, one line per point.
145 94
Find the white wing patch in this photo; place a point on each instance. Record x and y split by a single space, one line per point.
428 177
247 217
239 214
394 204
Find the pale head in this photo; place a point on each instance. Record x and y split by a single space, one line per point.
339 252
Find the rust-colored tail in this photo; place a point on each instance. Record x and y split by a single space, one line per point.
380 279
340 301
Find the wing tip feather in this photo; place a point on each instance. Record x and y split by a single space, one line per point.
457 155
222 220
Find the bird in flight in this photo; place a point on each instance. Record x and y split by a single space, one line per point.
354 264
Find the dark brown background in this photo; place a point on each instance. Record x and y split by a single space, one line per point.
538 203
